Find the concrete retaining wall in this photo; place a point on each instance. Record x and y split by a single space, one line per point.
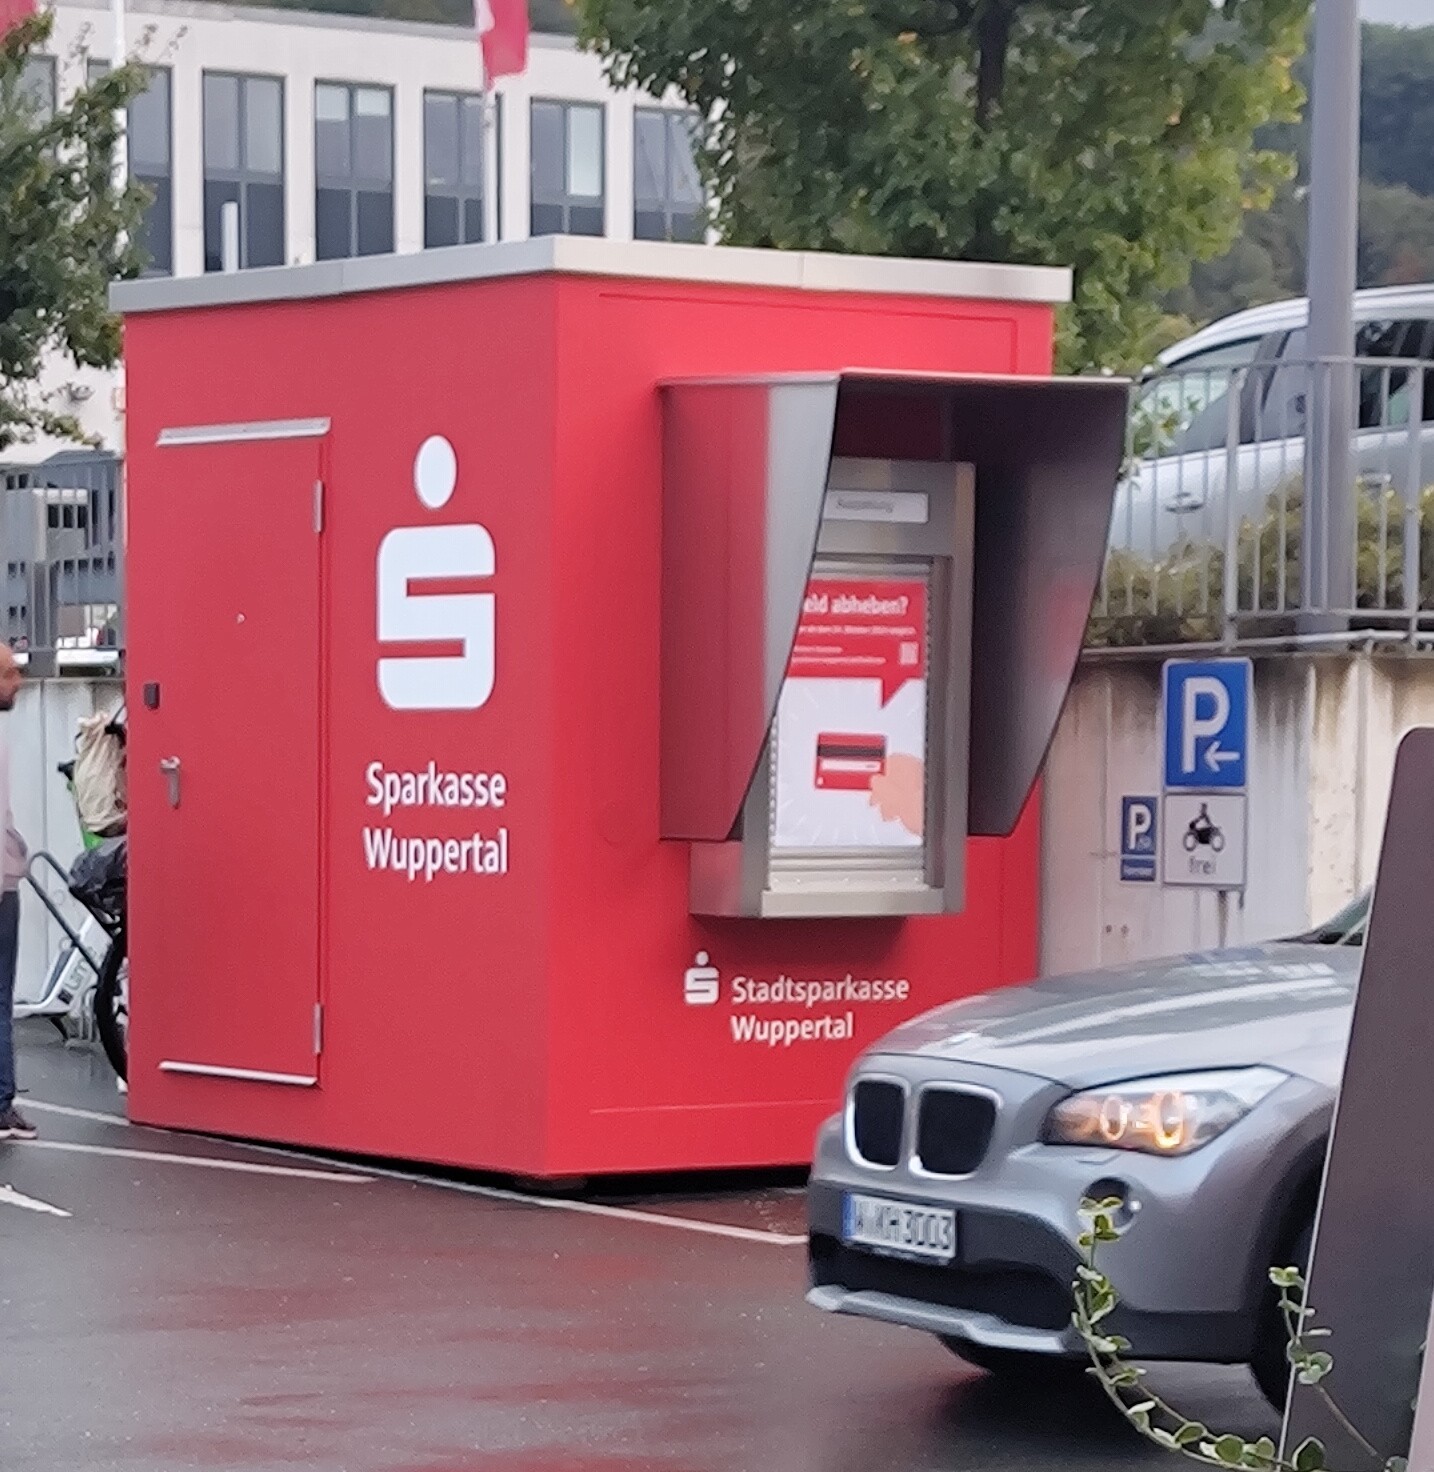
1326 728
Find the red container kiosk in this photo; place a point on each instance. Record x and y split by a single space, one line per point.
582 693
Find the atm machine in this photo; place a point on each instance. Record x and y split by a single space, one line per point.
835 618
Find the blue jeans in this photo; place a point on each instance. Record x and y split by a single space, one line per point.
9 947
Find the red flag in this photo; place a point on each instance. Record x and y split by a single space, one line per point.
502 33
12 12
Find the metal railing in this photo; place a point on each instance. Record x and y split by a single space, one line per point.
1207 536
61 558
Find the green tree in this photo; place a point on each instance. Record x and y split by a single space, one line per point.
1396 208
66 232
1396 235
1112 137
1398 88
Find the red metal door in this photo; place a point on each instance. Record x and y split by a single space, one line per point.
224 763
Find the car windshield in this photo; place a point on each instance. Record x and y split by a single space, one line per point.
1345 929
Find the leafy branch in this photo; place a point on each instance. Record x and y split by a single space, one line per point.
1159 1421
67 228
1118 139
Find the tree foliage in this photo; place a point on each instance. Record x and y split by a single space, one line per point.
1398 86
1112 137
1396 207
66 232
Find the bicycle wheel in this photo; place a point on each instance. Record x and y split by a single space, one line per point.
112 1006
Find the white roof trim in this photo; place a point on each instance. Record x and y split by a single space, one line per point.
268 15
572 255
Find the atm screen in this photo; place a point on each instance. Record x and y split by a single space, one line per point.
851 730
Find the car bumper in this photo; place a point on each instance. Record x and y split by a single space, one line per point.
1188 1267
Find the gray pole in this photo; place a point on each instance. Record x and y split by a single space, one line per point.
1327 551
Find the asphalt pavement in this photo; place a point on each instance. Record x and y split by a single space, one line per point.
169 1303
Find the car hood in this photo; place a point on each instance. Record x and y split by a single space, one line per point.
1284 1004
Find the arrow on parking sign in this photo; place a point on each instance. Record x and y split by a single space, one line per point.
1215 758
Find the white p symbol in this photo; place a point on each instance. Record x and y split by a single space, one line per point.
1137 821
1193 725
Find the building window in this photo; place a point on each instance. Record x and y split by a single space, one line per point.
568 175
37 84
244 167
353 157
667 197
453 160
147 143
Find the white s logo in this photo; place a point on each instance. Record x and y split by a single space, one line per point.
414 554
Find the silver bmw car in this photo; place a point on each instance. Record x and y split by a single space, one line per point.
1197 1091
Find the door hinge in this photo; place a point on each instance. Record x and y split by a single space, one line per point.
318 1028
318 507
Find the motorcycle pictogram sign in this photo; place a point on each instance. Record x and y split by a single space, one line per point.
1202 832
1203 838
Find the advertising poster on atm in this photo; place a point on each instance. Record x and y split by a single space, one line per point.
852 719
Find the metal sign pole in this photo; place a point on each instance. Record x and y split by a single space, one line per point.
1327 553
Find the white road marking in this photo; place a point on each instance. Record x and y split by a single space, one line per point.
9 1196
492 1193
598 1208
204 1162
71 1113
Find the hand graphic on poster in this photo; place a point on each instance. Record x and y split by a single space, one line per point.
899 793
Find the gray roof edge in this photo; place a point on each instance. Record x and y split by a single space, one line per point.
915 377
572 255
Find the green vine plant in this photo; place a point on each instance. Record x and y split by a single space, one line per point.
1159 1421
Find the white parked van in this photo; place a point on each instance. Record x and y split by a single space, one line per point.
1190 439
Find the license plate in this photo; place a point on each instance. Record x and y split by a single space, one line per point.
899 1228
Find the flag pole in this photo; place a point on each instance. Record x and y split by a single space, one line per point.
502 27
492 163
119 52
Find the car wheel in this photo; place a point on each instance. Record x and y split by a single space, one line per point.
1017 1366
1271 1364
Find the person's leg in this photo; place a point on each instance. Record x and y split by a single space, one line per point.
9 949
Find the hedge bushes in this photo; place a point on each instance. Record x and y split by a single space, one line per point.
1180 597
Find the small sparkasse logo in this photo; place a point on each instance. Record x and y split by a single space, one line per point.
702 982
412 555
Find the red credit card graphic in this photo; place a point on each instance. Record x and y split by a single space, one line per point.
847 762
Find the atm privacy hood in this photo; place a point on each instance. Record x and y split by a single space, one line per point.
746 464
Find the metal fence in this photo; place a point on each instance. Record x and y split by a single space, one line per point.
61 547
1206 542
1207 534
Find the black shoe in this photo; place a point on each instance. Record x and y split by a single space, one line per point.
14 1125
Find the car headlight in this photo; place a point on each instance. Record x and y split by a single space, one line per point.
1171 1115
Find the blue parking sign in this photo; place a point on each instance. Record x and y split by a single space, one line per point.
1137 839
1205 707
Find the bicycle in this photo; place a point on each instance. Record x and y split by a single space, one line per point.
98 881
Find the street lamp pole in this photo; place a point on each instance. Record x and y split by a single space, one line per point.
1327 562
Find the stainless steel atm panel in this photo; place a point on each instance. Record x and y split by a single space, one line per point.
852 809
874 592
